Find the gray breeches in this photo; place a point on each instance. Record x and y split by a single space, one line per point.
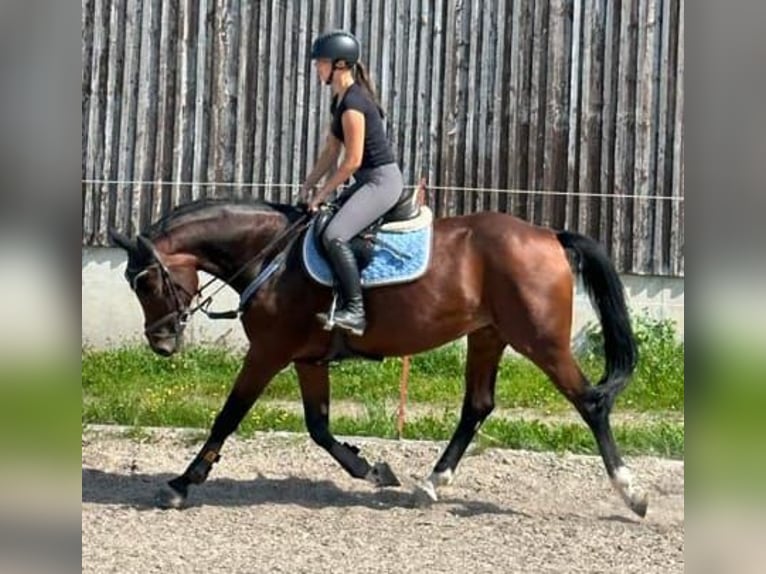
374 192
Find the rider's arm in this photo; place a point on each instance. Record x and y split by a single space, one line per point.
353 136
327 158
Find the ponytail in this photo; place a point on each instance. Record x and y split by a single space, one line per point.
366 82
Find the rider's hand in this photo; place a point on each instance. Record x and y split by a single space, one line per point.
306 193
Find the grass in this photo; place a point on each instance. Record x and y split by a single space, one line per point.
204 375
132 386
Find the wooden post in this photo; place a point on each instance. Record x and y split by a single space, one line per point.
403 394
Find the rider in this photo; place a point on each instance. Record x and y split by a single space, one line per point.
357 127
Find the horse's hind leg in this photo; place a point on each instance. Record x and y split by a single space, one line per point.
559 364
485 349
315 390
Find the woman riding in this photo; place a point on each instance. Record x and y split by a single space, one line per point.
357 128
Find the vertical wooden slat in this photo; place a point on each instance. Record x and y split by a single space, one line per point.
625 126
245 125
88 7
608 119
202 98
577 76
260 145
437 99
224 72
450 131
271 159
133 19
399 83
519 105
302 80
592 108
537 109
163 161
486 67
556 123
677 227
471 101
98 118
665 127
646 136
462 146
183 147
498 40
112 120
422 109
288 103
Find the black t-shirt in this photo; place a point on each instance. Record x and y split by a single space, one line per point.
376 152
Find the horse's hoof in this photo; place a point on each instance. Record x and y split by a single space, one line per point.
381 475
639 504
425 494
169 498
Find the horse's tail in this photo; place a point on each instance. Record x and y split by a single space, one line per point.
608 298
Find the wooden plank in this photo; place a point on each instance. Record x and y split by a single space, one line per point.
486 66
519 106
471 105
183 148
271 158
462 23
146 114
87 69
537 109
96 113
410 86
646 122
577 81
556 120
422 110
608 121
260 145
287 120
449 129
245 126
437 100
677 221
625 141
163 162
400 61
664 174
202 98
592 106
109 172
498 121
303 78
125 193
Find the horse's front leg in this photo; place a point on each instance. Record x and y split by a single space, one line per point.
256 373
315 389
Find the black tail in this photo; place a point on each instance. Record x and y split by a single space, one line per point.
606 293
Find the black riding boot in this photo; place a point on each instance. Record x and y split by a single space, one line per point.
350 316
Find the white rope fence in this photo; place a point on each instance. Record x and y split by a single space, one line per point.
540 192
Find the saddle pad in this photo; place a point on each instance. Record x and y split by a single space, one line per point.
398 257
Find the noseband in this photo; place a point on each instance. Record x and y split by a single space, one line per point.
179 316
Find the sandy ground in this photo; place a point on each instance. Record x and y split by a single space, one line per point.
277 503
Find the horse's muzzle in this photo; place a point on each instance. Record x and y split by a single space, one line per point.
164 343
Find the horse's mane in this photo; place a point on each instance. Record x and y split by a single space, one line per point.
206 208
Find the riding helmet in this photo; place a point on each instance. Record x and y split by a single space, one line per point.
336 45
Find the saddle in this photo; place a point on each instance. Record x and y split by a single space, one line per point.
407 209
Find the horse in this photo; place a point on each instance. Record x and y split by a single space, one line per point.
493 278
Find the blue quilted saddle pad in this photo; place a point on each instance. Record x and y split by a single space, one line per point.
401 254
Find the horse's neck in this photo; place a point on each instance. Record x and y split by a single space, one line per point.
222 248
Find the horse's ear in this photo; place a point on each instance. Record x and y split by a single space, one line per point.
122 240
145 248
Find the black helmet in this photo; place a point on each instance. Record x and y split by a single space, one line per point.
336 45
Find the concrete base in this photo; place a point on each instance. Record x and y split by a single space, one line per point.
111 314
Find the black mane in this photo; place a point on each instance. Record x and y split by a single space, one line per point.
209 207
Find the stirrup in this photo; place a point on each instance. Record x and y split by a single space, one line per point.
328 319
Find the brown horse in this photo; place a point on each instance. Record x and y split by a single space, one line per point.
492 277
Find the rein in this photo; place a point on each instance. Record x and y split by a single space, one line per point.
299 225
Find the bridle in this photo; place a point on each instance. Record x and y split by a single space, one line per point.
182 312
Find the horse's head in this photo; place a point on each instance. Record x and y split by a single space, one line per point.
165 286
